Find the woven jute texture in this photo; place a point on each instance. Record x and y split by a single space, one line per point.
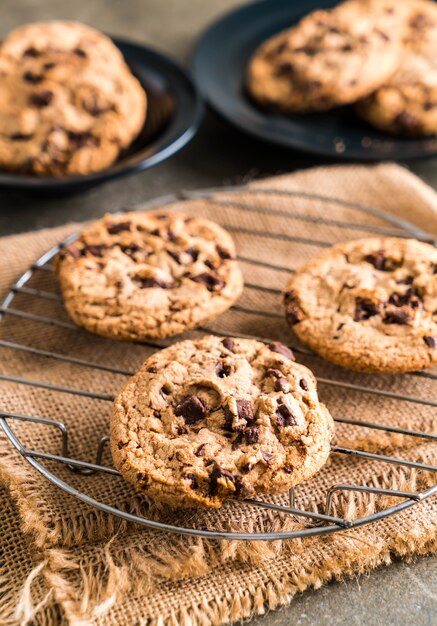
83 566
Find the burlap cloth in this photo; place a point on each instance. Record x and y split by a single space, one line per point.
66 561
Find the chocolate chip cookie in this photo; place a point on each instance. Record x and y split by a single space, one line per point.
369 305
68 102
407 103
212 419
139 275
330 58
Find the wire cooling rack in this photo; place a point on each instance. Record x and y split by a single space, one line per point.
316 522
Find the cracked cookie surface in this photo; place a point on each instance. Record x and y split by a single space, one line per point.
330 58
217 418
69 104
407 103
139 275
369 304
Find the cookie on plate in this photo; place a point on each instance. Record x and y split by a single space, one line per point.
217 418
407 103
369 304
139 275
330 58
69 104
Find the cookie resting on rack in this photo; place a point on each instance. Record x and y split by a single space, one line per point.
369 304
217 418
141 275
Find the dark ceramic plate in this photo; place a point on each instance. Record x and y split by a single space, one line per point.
219 62
174 113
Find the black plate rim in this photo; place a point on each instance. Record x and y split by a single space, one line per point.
171 144
263 134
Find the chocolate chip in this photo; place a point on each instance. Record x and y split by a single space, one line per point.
244 415
96 249
191 409
280 348
347 47
229 344
21 137
79 52
41 99
246 468
419 21
148 283
274 372
200 450
287 469
223 369
266 456
431 342
365 308
303 384
82 139
49 66
218 472
251 435
211 282
194 254
293 310
397 317
381 262
406 120
152 369
284 416
401 299
223 254
31 52
130 250
171 236
285 69
308 50
245 410
114 229
281 384
181 430
408 280
209 264
142 477
174 255
193 480
31 77
156 414
237 441
427 106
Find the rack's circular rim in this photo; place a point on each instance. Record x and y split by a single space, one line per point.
410 229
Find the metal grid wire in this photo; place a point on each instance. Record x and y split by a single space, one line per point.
317 523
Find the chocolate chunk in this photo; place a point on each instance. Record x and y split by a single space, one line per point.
223 254
79 52
251 435
96 249
31 52
211 282
194 254
280 348
431 342
303 384
244 415
287 469
401 299
246 468
229 344
114 229
148 283
365 308
31 77
397 317
218 472
406 120
152 369
174 255
181 430
41 99
274 372
193 480
245 410
381 262
285 69
200 450
21 137
281 384
293 310
191 409
223 369
266 456
284 416
237 441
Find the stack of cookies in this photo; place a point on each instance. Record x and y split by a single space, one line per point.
379 54
69 104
